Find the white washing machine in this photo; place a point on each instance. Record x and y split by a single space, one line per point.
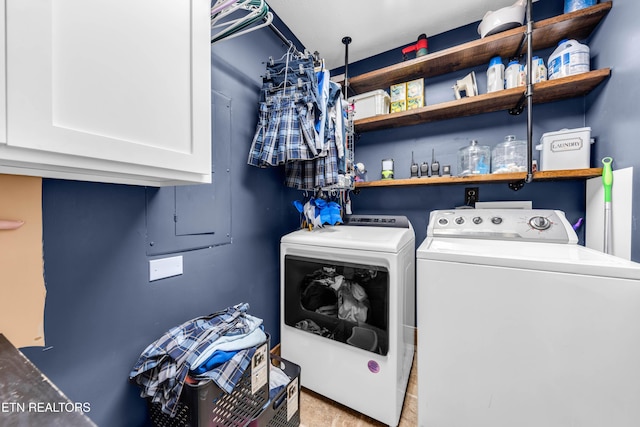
520 326
348 311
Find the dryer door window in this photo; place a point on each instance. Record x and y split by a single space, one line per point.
341 301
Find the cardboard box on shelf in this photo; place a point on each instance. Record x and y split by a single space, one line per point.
398 97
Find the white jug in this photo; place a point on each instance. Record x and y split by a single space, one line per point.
495 75
569 58
539 73
514 76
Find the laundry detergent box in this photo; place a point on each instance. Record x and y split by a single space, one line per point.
370 104
565 149
415 94
398 97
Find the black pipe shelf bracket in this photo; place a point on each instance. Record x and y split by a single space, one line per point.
518 53
517 185
519 107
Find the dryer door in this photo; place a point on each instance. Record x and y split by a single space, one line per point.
341 300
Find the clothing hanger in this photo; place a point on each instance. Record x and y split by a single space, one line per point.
270 75
259 11
221 4
231 7
252 6
299 84
267 21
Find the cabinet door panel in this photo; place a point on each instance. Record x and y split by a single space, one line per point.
119 80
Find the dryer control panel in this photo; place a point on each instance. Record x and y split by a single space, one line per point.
502 224
378 220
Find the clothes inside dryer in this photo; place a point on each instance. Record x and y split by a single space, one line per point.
341 301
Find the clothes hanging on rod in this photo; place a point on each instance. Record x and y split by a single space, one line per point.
287 111
301 124
325 169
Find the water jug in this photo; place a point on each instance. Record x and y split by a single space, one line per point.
495 75
514 76
474 159
569 58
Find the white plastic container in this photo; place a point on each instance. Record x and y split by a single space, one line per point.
514 75
370 104
495 75
565 149
569 58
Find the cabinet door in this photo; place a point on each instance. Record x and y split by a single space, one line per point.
111 85
3 80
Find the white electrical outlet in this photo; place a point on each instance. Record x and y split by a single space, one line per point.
165 267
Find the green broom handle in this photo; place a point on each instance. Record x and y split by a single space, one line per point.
607 178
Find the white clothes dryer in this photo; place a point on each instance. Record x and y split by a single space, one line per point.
518 325
348 311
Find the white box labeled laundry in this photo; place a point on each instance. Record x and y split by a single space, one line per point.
371 104
565 149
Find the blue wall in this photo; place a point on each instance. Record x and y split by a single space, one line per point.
101 311
612 108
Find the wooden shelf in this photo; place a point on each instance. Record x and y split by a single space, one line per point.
552 90
485 179
546 33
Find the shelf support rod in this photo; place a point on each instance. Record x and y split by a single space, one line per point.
529 93
346 40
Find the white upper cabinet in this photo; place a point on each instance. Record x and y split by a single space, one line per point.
109 90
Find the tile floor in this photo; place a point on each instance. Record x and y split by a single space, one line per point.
318 411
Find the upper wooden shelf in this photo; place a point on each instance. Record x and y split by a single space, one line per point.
485 179
547 91
546 33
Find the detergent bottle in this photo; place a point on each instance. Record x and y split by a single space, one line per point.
495 75
541 74
539 70
569 58
514 76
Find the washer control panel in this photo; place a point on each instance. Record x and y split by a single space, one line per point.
502 224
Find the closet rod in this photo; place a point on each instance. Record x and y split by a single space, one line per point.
282 36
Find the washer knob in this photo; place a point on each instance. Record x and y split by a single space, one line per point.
443 221
459 220
496 220
539 223
477 220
